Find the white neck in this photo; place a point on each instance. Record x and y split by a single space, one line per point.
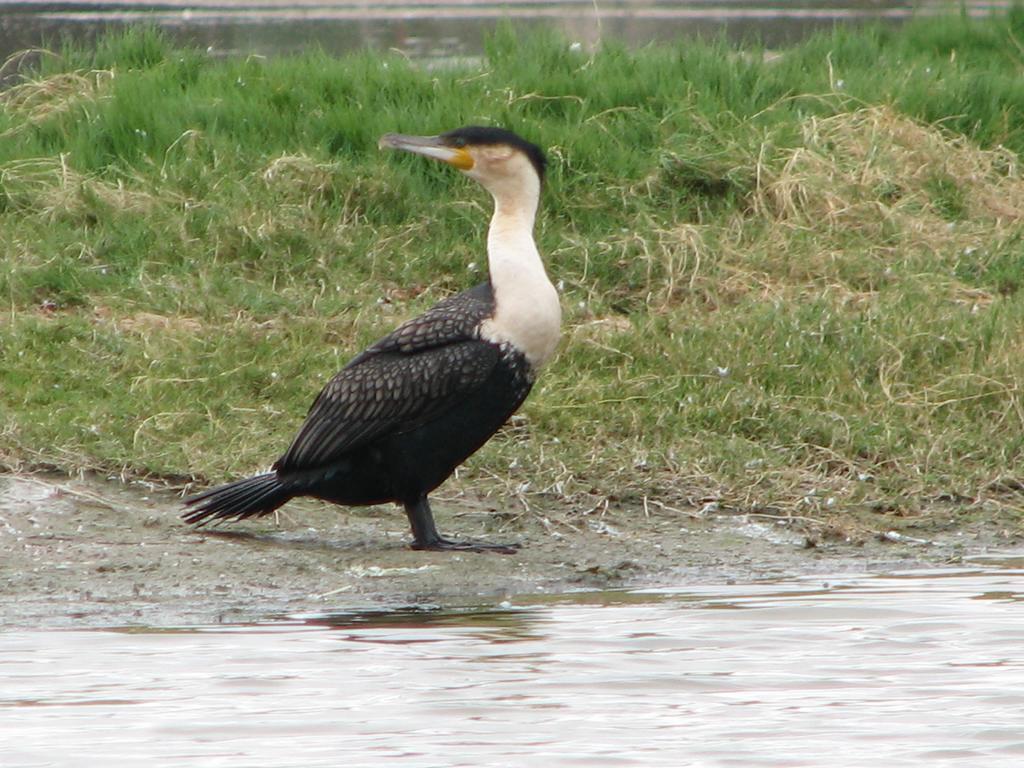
527 313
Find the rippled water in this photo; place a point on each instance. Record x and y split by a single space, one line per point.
922 668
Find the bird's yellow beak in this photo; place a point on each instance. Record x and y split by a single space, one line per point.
428 146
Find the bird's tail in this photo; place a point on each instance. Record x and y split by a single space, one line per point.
251 497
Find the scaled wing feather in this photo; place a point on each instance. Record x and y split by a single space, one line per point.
411 376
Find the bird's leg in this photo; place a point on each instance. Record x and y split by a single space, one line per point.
424 532
425 535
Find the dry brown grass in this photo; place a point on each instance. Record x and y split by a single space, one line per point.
146 323
50 187
875 171
867 190
36 100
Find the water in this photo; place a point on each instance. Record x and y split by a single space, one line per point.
906 669
434 30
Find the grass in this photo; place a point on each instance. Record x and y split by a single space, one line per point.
791 282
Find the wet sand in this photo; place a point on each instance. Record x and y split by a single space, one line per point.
88 552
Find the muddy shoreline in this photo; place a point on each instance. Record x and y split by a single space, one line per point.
88 553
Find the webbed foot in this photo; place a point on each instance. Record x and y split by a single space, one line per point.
426 536
447 545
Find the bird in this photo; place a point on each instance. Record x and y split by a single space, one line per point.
398 419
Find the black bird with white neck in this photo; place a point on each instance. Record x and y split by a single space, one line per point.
396 421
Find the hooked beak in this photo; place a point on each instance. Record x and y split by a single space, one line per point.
428 146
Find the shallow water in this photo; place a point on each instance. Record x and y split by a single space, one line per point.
906 669
435 29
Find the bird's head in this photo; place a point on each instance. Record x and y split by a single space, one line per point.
506 165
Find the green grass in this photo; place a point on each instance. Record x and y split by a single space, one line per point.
791 282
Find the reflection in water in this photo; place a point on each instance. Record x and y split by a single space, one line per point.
434 30
912 669
493 625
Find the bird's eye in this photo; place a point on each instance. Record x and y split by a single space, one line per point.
458 142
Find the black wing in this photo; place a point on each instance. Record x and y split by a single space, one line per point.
409 377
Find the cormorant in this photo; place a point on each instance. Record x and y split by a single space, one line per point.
396 421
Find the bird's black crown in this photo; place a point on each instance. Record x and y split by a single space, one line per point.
483 135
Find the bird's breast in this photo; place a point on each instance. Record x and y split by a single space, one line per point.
528 317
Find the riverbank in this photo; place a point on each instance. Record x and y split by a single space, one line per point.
93 553
791 284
